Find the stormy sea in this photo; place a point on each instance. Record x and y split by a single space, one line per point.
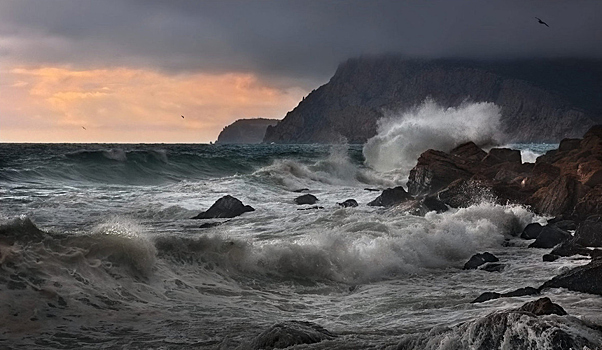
98 250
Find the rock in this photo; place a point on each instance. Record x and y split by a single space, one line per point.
486 297
306 199
585 279
589 232
20 229
569 248
531 231
469 150
565 225
225 207
371 189
511 329
521 292
543 306
550 257
315 207
549 237
515 293
560 197
502 155
348 203
435 170
431 203
289 333
391 197
245 131
492 267
479 259
301 190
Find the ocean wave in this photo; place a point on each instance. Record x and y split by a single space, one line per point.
357 249
401 138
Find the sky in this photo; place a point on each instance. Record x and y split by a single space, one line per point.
128 70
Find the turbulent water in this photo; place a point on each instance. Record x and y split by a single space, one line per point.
119 262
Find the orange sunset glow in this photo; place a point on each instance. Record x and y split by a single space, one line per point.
55 104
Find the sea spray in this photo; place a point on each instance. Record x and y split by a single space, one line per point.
402 137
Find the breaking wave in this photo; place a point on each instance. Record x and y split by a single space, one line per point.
401 138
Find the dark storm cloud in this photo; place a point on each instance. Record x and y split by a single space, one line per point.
294 39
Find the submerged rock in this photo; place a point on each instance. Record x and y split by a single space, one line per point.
479 259
550 257
515 293
225 207
289 333
348 203
306 199
391 197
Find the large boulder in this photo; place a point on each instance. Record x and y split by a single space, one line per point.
531 231
589 232
502 155
585 279
348 203
560 197
435 170
543 306
549 237
391 197
470 151
306 199
289 333
225 207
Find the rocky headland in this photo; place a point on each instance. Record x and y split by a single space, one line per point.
540 100
244 131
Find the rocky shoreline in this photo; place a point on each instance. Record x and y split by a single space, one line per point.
564 184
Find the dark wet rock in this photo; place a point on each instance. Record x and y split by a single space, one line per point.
589 232
306 199
522 328
502 155
560 197
391 197
585 279
315 207
549 237
493 267
431 203
521 292
564 224
486 296
550 257
289 333
569 145
348 203
469 150
225 207
372 189
569 248
543 306
479 259
531 231
515 293
301 190
435 170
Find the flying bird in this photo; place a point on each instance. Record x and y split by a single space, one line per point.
182 117
84 128
542 22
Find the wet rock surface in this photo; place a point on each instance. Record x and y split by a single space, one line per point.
289 333
306 199
225 207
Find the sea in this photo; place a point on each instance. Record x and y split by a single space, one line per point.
98 250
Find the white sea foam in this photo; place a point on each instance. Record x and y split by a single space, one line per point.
402 137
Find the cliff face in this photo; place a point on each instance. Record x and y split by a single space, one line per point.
541 100
245 131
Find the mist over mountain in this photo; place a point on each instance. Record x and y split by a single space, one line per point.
541 100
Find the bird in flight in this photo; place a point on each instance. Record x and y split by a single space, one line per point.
182 117
84 128
542 22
